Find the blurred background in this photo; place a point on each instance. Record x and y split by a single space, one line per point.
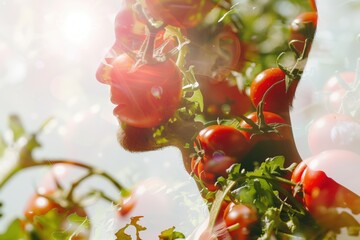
49 53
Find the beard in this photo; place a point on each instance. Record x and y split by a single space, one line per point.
135 139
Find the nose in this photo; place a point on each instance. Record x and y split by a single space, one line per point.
105 66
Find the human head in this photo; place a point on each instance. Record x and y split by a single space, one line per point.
217 59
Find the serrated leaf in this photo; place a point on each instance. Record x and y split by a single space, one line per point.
272 166
16 127
171 234
14 231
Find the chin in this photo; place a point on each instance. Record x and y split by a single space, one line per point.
135 139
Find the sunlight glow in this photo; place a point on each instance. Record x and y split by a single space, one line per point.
77 27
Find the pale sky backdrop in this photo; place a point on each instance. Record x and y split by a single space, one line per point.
49 53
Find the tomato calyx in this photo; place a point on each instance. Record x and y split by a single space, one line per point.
257 123
302 31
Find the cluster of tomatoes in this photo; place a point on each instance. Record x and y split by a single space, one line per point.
217 79
332 139
198 61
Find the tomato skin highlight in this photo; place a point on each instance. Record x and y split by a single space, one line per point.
272 83
147 95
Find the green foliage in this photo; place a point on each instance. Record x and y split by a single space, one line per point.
281 215
15 230
121 235
171 234
61 225
53 226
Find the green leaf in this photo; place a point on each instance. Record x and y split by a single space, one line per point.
61 225
121 235
14 231
171 234
271 166
197 97
216 205
16 127
234 172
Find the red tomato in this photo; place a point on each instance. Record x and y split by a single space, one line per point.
299 170
297 175
209 170
221 99
243 215
129 32
334 131
303 27
327 179
284 132
179 13
269 144
272 83
38 206
336 88
146 95
219 164
221 140
207 178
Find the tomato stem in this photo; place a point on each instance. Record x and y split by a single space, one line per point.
75 184
92 171
182 41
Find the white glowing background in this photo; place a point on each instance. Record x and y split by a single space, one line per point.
49 53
